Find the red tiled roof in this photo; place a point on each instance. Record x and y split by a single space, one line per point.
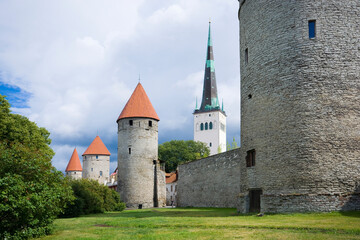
139 105
171 177
97 147
74 163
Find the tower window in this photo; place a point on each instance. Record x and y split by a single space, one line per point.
246 56
92 169
206 126
129 150
312 29
250 158
210 144
97 157
150 123
201 126
211 125
130 122
100 173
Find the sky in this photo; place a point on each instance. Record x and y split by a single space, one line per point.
71 65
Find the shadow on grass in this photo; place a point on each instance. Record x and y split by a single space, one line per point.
170 212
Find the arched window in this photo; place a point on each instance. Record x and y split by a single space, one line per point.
206 126
201 126
210 125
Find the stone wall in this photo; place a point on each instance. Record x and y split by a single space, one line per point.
210 182
137 151
93 165
300 106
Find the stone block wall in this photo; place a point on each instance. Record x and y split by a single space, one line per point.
300 104
210 182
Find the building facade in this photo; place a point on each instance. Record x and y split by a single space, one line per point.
141 181
171 188
210 118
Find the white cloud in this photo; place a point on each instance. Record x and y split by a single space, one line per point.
80 61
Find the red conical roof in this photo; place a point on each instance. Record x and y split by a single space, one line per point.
139 105
74 163
97 147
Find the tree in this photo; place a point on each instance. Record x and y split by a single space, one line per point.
32 191
231 146
179 151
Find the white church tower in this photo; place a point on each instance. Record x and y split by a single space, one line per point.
210 119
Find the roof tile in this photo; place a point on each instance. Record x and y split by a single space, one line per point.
139 105
74 163
97 147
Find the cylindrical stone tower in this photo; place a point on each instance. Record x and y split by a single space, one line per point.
96 162
141 183
300 95
74 169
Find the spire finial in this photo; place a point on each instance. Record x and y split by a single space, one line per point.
209 19
139 77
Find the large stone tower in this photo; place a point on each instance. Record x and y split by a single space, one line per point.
96 162
210 119
141 182
300 111
74 169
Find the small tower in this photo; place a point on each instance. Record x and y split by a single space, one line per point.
74 169
210 119
96 161
141 183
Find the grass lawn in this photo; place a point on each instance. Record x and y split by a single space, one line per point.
207 223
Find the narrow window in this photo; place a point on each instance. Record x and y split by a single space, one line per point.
201 126
246 56
209 115
100 173
97 157
85 157
210 125
250 158
210 144
206 126
150 123
130 122
171 188
312 29
74 172
129 150
92 169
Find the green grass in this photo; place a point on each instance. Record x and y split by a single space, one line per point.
207 223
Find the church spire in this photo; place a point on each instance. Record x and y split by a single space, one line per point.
210 99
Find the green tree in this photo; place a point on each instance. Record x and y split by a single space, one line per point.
92 197
231 146
32 191
179 151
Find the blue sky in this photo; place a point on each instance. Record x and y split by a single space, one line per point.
71 65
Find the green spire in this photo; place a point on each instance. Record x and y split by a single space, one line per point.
210 99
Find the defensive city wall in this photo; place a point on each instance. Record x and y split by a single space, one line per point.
210 182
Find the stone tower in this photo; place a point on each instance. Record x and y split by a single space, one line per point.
210 119
96 162
74 169
300 111
141 182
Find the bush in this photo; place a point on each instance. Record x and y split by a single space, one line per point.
92 197
32 191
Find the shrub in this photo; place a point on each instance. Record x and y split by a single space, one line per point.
92 197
